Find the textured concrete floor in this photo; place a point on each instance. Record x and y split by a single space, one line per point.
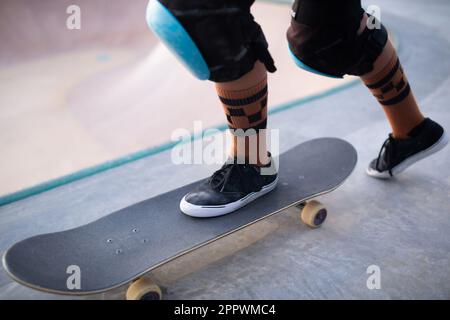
401 225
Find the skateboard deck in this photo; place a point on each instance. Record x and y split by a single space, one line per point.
124 245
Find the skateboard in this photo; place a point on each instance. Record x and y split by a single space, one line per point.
122 247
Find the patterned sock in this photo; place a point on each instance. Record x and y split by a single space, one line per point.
247 110
391 88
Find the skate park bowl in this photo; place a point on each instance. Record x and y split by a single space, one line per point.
86 118
72 99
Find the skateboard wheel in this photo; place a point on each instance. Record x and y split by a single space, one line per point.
313 214
143 289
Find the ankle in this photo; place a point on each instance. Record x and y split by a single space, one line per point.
400 135
404 131
260 160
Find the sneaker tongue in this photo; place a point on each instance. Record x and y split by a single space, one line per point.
234 178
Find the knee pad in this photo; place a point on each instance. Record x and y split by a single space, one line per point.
324 40
170 31
305 67
216 40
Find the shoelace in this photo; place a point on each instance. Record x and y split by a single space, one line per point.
387 151
222 177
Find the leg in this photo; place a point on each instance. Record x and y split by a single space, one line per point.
245 105
389 84
233 53
335 40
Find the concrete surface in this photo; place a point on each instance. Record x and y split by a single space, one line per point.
401 225
99 88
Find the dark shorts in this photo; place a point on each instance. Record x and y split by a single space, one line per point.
226 34
231 41
323 35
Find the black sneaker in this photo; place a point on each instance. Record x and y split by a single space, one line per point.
228 189
398 154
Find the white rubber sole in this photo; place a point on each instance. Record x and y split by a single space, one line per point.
439 145
215 211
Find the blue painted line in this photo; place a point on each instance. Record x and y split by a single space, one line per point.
84 173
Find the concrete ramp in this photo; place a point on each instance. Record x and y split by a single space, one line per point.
109 89
399 227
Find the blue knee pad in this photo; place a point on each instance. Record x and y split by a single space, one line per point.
170 31
303 66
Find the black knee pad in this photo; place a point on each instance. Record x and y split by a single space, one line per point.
216 40
323 38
